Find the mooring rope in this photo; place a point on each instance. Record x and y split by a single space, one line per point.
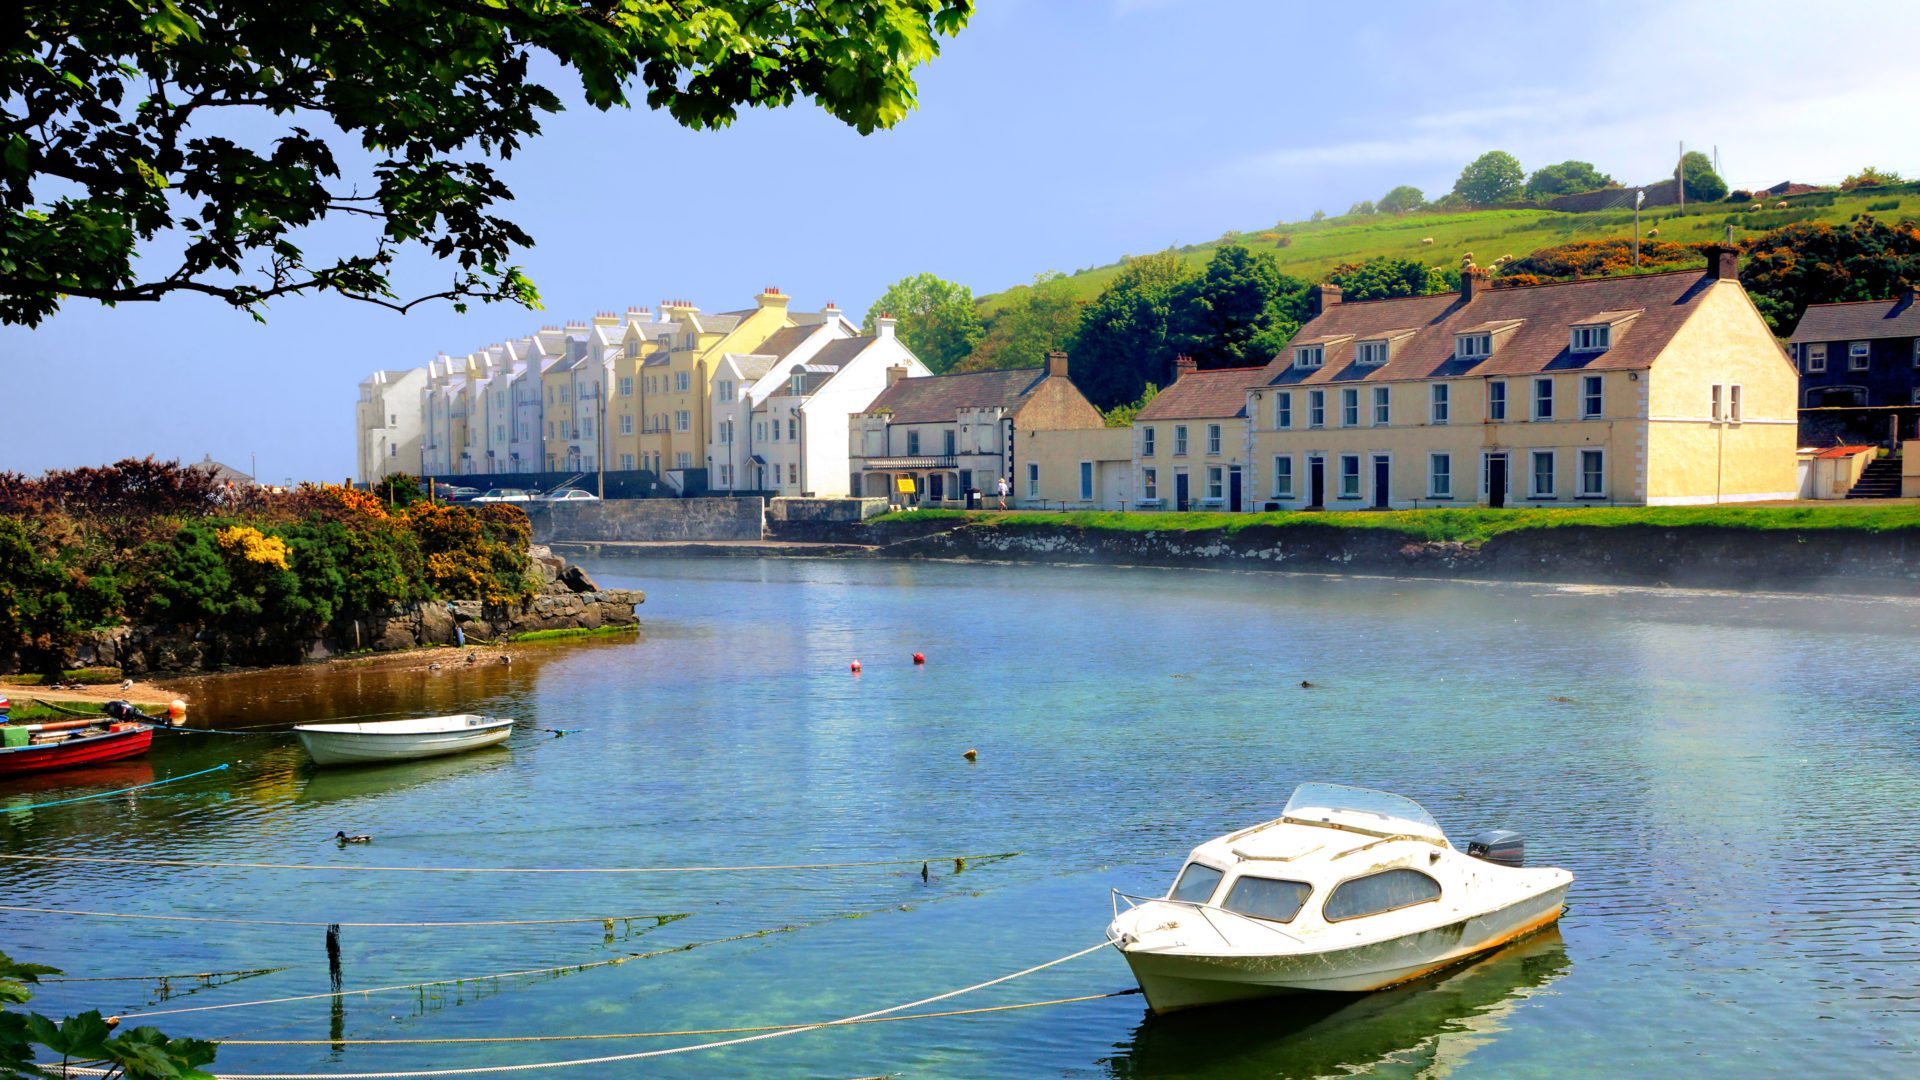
660 919
56 707
636 1056
348 867
107 794
670 1034
246 973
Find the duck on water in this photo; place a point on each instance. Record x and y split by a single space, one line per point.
1348 890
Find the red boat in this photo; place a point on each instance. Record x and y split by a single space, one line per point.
31 748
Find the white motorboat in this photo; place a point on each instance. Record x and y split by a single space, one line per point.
1348 890
401 740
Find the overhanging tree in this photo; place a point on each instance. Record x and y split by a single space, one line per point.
934 317
111 119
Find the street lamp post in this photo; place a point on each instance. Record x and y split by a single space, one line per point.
1638 198
600 433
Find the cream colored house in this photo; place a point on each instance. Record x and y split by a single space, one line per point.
1073 469
1655 389
387 424
1190 442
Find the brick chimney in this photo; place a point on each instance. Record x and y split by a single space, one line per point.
1184 366
1324 297
896 373
1723 262
883 326
771 297
1056 365
1909 295
1473 280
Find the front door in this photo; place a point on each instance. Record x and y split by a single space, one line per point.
1317 483
1382 481
936 486
966 482
1180 491
1496 480
1233 489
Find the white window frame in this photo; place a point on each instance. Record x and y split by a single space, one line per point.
1542 400
1472 346
1859 355
1343 477
1580 481
1146 441
1086 481
1179 440
1216 482
1497 404
1717 410
1213 440
626 423
1439 480
1150 484
1590 339
913 439
1734 410
1370 353
1033 479
1283 475
1316 408
1309 356
1349 406
1593 402
1382 407
1439 403
682 420
682 381
1283 410
1534 491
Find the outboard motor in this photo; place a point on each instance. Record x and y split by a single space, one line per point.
121 710
1501 846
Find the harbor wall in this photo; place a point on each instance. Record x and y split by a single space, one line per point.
568 600
650 520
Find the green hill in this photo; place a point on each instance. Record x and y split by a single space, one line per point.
1308 249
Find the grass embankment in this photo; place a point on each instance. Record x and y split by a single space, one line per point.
1473 526
32 712
561 635
1308 249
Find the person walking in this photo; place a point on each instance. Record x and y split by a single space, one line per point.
1000 488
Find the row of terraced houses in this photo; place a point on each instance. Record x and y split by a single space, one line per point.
1655 389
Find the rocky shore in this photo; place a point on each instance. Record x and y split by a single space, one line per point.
568 600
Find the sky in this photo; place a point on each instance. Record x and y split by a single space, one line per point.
1050 135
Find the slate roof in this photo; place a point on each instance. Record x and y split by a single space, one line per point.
1538 344
938 398
1206 395
785 340
840 352
1859 321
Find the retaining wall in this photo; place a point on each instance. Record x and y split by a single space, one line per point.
655 520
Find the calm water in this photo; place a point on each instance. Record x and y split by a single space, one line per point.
1733 780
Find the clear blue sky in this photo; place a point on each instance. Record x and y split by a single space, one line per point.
1051 135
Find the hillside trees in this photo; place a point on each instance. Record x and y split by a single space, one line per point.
1566 178
1816 263
1240 310
934 317
1870 177
1492 178
1702 183
1385 277
1127 333
1402 199
385 120
1033 320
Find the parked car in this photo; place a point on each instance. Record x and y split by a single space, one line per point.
495 495
571 495
454 493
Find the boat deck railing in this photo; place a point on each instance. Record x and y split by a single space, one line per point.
1206 911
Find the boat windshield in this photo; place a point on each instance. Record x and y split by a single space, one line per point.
1364 810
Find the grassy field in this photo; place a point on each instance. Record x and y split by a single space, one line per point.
1313 248
1464 526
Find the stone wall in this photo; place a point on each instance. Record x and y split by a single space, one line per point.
568 600
1811 560
652 520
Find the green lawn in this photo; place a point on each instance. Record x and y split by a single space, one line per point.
1466 526
1313 248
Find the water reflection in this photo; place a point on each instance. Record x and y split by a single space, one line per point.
336 785
1431 1025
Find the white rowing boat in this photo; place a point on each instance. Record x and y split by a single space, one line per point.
401 740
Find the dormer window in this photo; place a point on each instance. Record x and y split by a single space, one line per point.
1591 339
1472 346
1309 356
1371 353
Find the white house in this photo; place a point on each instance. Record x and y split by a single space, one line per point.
387 423
807 411
741 446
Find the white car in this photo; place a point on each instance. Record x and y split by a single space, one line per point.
495 495
571 495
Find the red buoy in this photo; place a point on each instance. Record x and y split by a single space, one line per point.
854 667
919 658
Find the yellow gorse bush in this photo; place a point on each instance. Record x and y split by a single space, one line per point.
254 546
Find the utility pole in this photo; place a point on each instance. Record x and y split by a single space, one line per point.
1680 177
600 433
1639 197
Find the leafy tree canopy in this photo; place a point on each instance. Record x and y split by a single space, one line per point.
1126 336
1122 415
1241 310
1402 199
1870 177
1703 184
934 317
1566 178
1492 178
1816 263
113 144
140 1054
1384 277
1033 321
1363 208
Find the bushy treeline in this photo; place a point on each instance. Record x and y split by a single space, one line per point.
151 542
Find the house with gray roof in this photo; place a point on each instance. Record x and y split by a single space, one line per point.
1863 352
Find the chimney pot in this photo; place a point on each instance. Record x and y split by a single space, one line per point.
1472 280
1183 366
896 373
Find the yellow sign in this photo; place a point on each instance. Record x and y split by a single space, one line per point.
904 485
